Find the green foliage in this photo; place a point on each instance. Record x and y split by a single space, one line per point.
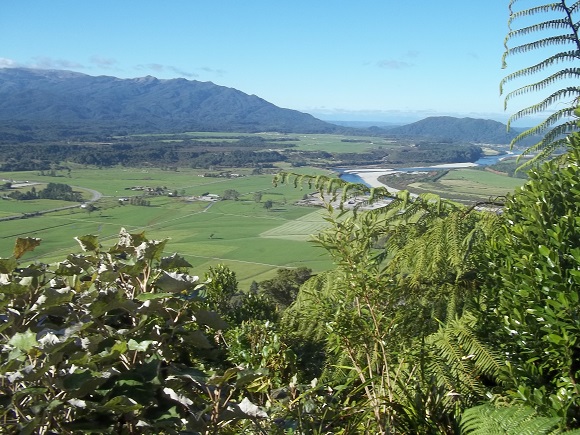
535 267
221 285
509 420
378 333
268 204
460 362
561 18
253 306
101 342
56 191
427 239
257 345
283 288
231 194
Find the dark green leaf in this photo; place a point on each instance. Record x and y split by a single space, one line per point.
174 262
7 265
211 319
176 282
88 242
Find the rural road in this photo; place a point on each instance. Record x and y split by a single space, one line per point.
96 195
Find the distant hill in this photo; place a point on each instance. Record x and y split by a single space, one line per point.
367 124
457 130
71 100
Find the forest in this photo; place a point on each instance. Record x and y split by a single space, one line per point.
244 151
437 318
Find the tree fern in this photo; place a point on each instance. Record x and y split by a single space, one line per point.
509 420
560 122
460 359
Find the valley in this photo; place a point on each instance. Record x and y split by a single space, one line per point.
254 241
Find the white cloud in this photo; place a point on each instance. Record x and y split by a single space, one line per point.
219 72
7 63
44 62
103 62
159 69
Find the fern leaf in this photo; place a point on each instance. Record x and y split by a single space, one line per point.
566 56
568 73
540 44
510 420
551 7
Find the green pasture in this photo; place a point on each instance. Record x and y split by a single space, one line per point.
250 239
470 183
11 207
303 142
335 143
474 179
117 182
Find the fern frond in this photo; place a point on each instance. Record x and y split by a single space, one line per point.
551 7
562 23
566 56
547 150
568 92
485 359
569 35
510 420
560 130
540 44
461 378
551 141
568 73
546 124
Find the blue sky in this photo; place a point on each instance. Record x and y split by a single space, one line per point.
382 60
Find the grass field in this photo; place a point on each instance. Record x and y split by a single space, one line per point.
470 184
251 240
337 144
304 142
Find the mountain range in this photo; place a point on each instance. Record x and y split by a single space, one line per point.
72 103
145 104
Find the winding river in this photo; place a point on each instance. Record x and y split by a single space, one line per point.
353 175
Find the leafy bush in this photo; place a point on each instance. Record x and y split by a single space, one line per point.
536 264
101 342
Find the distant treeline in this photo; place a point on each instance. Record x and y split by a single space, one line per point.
243 151
424 152
216 152
58 191
509 167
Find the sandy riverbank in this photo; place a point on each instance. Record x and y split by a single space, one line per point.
371 176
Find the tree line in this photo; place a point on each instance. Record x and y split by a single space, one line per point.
58 191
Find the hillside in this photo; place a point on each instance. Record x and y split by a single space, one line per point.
74 101
457 129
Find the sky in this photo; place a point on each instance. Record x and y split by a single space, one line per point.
371 60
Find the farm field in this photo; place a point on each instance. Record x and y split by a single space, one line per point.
481 183
340 144
335 143
250 239
469 185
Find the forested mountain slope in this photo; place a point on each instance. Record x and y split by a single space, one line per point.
457 129
70 99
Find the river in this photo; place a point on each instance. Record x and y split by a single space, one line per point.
352 175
